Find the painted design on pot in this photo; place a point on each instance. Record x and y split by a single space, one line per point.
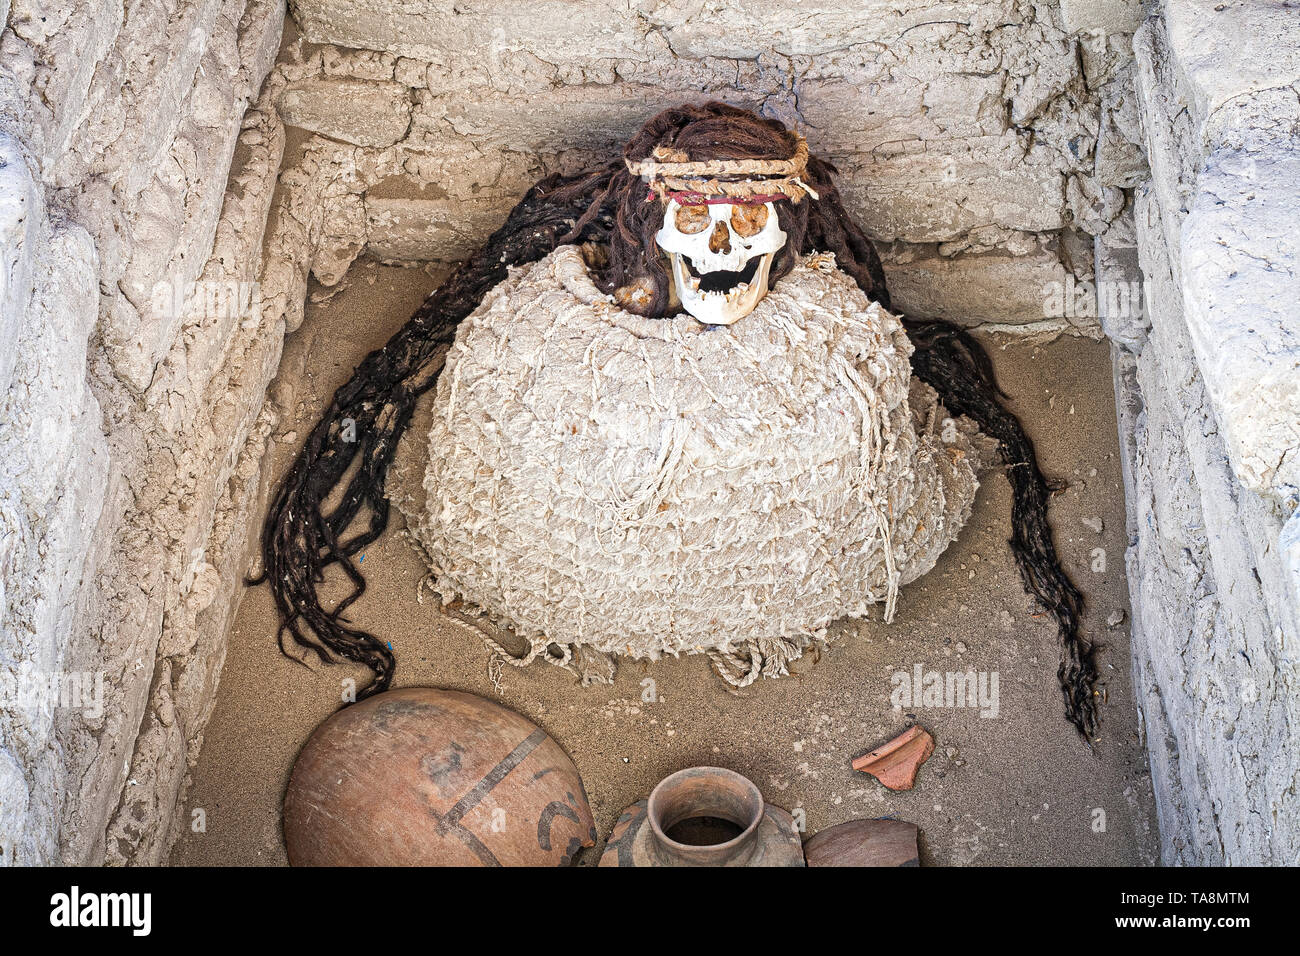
721 256
428 777
704 816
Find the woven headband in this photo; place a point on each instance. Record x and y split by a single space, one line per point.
669 173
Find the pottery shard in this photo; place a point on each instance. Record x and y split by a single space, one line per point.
864 843
895 764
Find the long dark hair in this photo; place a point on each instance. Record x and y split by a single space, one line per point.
717 131
339 474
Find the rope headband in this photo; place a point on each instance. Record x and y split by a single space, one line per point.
671 175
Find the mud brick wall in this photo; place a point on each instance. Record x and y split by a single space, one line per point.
1208 386
129 417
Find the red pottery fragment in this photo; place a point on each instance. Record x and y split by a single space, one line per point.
895 764
864 843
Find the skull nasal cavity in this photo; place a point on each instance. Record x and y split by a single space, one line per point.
720 241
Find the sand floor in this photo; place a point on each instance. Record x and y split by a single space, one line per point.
1018 788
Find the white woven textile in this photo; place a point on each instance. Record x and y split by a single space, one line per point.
600 482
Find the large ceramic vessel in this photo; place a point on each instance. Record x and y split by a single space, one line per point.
428 777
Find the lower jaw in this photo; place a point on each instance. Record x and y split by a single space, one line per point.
720 312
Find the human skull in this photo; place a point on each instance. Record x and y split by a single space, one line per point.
721 256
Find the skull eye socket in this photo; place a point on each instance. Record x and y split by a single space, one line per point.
748 220
692 219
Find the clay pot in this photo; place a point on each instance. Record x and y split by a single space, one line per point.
427 777
704 816
864 843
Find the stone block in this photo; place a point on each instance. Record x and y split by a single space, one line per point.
1241 267
363 112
